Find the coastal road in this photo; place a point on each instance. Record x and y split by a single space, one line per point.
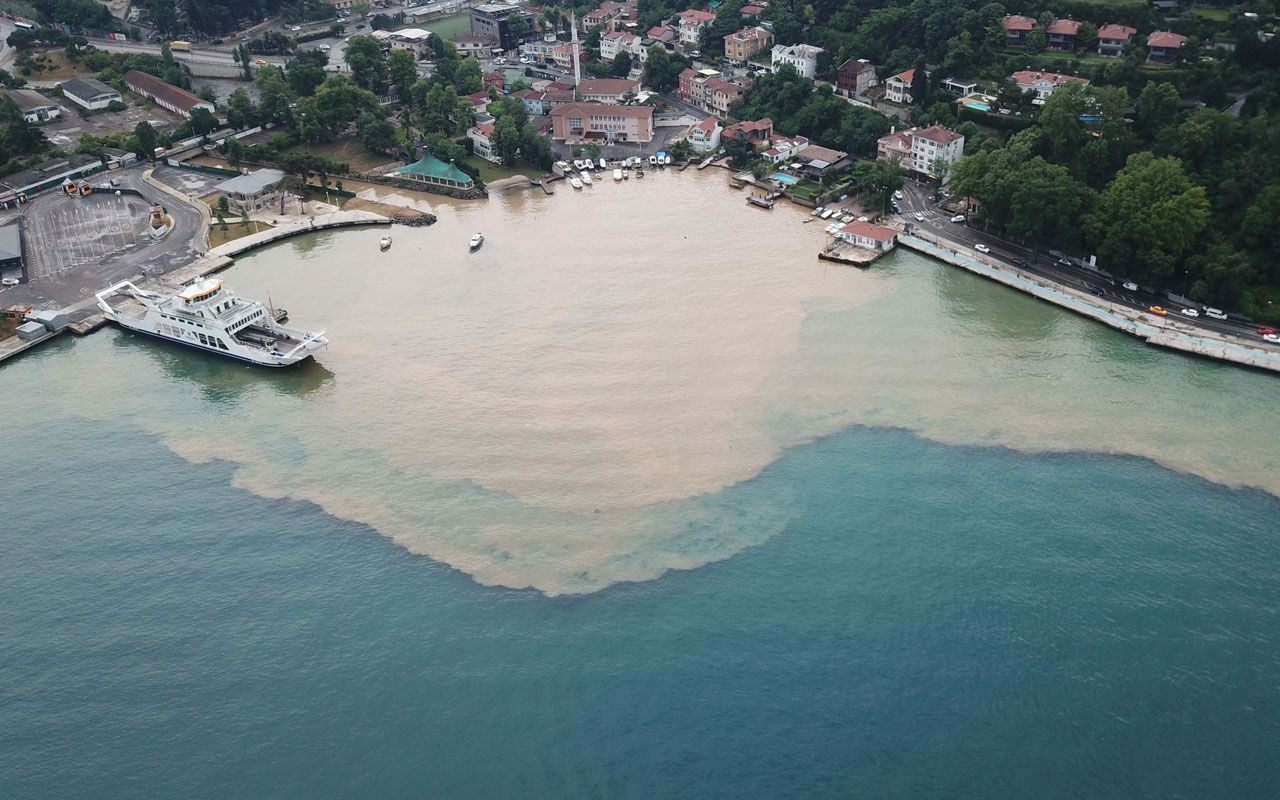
918 199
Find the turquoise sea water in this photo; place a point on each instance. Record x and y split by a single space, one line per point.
935 621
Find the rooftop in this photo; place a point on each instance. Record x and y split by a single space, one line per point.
906 77
1065 27
1017 22
693 15
939 134
46 170
797 50
1113 31
1166 39
608 86
856 65
10 242
29 100
818 153
595 109
432 167
252 183
146 83
869 230
86 88
1029 76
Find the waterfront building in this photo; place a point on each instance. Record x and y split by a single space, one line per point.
1113 39
869 236
601 123
434 172
741 45
958 87
756 132
818 162
253 193
607 90
1062 34
11 247
855 77
1163 46
705 136
782 148
1043 84
165 94
898 88
691 25
804 57
480 136
35 107
1016 27
90 93
920 151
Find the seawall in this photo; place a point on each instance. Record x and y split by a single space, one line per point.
1153 329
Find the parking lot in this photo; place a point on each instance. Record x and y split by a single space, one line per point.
71 231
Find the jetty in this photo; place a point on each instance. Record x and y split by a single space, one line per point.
762 202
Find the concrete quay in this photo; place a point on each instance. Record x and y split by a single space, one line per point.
1151 328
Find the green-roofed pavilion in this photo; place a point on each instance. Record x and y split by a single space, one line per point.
430 169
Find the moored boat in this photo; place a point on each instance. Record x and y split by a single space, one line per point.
477 240
617 174
385 242
586 177
575 183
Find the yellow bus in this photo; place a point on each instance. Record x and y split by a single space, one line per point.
180 46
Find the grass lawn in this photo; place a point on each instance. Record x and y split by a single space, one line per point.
234 231
805 190
347 149
449 27
57 67
1215 14
490 171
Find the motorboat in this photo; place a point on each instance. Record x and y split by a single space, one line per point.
577 164
601 164
575 183
653 161
617 174
384 243
586 177
667 160
639 172
626 174
817 212
477 240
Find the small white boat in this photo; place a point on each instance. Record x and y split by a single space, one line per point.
626 174
600 162
667 161
477 240
577 164
385 243
586 177
575 183
827 213
653 161
617 174
817 212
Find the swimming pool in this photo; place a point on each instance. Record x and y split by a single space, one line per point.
978 106
782 177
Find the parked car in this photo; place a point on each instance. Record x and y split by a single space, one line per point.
1190 312
958 218
1161 310
982 248
1130 286
1271 337
1096 290
1266 332
1214 313
1020 262
295 28
9 282
1062 262
919 217
897 195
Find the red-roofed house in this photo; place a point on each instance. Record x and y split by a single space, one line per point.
663 34
1016 27
705 136
692 23
607 90
869 236
1043 83
1062 34
753 131
165 94
1162 46
898 88
1113 40
479 101
495 79
480 144
751 10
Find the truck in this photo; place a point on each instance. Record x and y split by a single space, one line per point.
180 46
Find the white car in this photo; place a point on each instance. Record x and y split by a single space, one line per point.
958 218
1270 337
1130 286
1214 313
1190 312
295 28
500 61
919 217
897 195
982 248
10 282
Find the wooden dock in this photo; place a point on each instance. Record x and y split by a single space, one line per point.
761 202
845 253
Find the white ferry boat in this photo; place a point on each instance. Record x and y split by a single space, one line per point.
208 317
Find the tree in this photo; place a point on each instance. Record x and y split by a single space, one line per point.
223 208
273 96
441 109
241 112
244 58
337 104
1087 38
468 78
367 63
661 69
306 72
920 84
534 147
202 121
147 139
375 132
1157 107
879 179
728 19
402 71
621 66
295 185
1148 218
1037 40
505 141
739 151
